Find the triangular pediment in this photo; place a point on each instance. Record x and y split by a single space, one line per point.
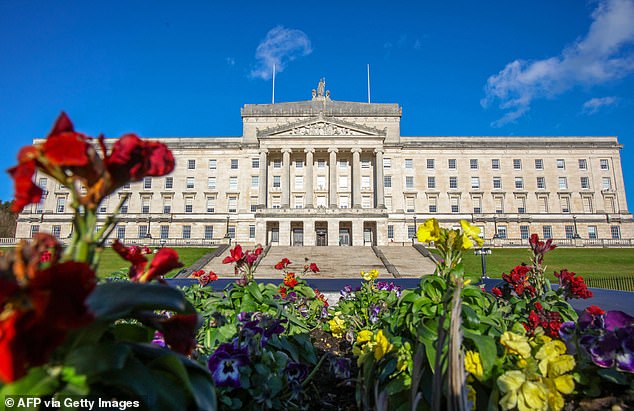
321 126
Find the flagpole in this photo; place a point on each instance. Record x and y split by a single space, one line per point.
273 98
368 84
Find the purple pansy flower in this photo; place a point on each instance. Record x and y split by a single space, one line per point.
224 365
374 313
159 339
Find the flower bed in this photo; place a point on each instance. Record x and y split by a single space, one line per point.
444 344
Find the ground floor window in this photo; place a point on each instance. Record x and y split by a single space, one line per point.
209 232
592 232
120 233
390 232
524 232
165 232
615 231
187 232
547 232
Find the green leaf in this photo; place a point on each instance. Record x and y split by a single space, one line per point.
112 301
36 382
98 358
487 349
132 332
254 289
613 376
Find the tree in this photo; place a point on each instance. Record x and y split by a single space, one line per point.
8 220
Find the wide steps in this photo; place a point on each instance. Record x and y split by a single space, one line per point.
408 261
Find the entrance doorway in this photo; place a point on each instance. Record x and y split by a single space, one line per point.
322 237
367 236
344 236
298 237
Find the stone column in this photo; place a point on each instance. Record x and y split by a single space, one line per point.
357 232
286 177
356 177
379 193
285 232
308 184
333 232
332 186
263 187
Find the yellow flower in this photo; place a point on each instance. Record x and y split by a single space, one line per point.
337 326
371 275
473 364
471 397
561 365
565 384
429 231
509 384
472 232
520 393
516 344
466 242
548 353
532 396
555 400
382 347
364 336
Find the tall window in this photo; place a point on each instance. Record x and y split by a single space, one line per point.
517 164
524 234
57 231
254 204
251 231
61 204
147 183
453 182
191 164
499 205
277 181
142 231
592 232
561 164
433 204
387 181
255 181
145 205
343 164
34 229
519 183
521 204
211 204
455 206
321 163
167 205
547 232
409 204
497 182
409 163
343 202
165 232
190 182
255 162
585 183
411 231
430 163
477 205
169 183
563 183
501 231
409 182
583 164
234 164
606 183
390 232
615 231
211 183
569 231
121 232
277 163
299 202
605 165
189 205
495 164
451 163
475 182
541 183
431 182
209 232
233 204
187 232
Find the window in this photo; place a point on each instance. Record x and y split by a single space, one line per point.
609 204
563 183
547 232
343 202
34 229
411 231
103 207
604 164
255 162
231 232
321 202
124 207
142 231
277 163
212 164
61 204
606 183
585 183
169 182
365 163
387 181
541 183
524 232
277 181
517 164
147 183
569 231
543 204
255 181
343 181
519 183
126 186
539 164
42 182
233 204
409 163
321 182
165 232
497 182
191 164
275 202
387 162
57 231
499 205
615 231
390 232
254 204
343 164
521 204
234 164
121 233
321 163
409 204
592 232
501 231
587 204
430 163
211 183
167 205
211 204
477 205
475 182
145 205
495 164
299 202
473 164
366 202
251 231
187 232
190 182
433 204
452 163
209 232
189 205
299 163
409 182
233 183
365 181
431 182
561 164
453 182
583 164
455 206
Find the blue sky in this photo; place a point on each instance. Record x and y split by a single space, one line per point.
165 68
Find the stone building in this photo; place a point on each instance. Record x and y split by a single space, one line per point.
326 172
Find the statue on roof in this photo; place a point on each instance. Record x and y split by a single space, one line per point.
321 87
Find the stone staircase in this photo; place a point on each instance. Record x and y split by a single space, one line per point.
334 262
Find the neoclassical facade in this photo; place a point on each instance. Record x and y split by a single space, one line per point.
326 172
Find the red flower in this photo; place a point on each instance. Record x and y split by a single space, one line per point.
132 159
163 262
282 290
65 147
26 192
179 332
594 310
134 255
572 287
496 292
518 280
539 306
198 273
540 247
212 276
314 268
235 255
290 280
320 296
282 264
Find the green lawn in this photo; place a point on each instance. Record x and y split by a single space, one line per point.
110 261
589 262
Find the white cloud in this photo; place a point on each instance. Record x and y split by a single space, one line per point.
230 61
279 47
594 104
599 57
